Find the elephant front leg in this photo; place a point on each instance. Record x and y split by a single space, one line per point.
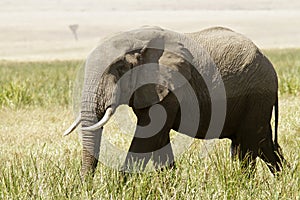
151 140
142 150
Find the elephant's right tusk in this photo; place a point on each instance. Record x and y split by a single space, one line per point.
101 123
73 126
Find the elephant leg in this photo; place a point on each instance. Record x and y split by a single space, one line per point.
152 135
156 146
254 134
247 147
163 157
269 153
247 139
247 153
142 150
234 149
247 156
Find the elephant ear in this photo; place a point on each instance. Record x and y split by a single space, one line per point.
169 63
175 66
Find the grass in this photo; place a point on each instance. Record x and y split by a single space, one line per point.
36 83
38 163
51 82
287 65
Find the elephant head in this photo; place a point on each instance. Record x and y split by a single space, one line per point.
138 68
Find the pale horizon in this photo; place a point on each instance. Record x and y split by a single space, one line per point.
35 30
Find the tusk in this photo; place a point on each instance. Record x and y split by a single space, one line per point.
73 126
101 123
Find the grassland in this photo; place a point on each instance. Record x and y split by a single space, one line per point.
38 163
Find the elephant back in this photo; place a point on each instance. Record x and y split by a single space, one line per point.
242 65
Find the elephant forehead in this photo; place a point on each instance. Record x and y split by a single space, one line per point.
136 39
133 39
146 33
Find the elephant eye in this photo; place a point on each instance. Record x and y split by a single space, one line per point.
130 65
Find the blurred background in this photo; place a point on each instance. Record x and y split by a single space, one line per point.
69 29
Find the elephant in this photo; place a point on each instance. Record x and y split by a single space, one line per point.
186 67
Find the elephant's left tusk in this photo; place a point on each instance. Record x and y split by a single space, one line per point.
101 123
73 126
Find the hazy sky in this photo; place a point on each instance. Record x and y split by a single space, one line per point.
85 5
39 29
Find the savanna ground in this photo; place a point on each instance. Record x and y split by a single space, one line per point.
38 163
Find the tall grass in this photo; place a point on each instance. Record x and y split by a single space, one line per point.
46 166
287 65
36 83
38 163
50 82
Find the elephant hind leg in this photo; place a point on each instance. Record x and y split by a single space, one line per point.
269 153
247 155
234 149
246 151
255 134
247 135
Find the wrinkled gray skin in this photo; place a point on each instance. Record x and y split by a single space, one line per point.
251 90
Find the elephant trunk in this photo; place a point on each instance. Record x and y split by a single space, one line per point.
90 143
90 138
93 113
96 98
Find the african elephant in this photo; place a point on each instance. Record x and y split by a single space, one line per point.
184 65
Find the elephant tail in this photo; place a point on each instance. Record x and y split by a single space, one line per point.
276 145
276 123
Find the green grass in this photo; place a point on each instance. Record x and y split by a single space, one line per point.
287 65
51 82
38 163
37 83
